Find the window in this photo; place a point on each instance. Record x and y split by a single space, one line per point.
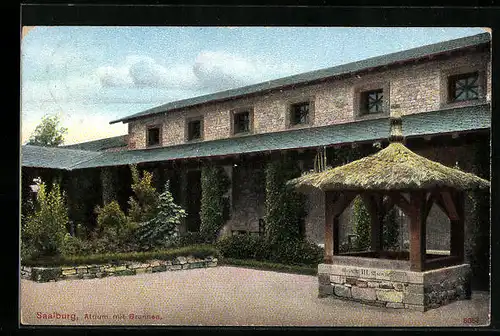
195 129
372 101
153 136
463 87
242 122
299 113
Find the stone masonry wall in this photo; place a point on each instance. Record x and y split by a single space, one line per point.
248 198
44 274
411 89
395 288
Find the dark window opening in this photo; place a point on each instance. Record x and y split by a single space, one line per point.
372 101
464 87
194 130
242 122
153 136
299 114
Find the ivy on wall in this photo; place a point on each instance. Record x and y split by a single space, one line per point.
214 184
285 208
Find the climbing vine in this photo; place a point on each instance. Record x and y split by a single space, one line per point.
214 184
285 208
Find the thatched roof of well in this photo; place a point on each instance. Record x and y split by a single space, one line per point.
392 168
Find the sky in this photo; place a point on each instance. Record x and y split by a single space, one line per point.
89 76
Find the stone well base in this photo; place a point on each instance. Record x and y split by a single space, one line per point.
395 288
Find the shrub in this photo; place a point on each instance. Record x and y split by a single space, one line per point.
190 238
362 227
113 224
243 246
300 252
143 206
197 251
214 184
265 265
75 246
162 230
44 230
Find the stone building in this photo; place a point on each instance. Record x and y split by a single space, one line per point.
442 91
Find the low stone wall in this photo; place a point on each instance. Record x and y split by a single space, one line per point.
395 288
44 274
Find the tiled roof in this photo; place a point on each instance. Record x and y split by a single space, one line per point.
427 123
54 157
101 144
317 75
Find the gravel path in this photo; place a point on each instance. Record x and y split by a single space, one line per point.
221 296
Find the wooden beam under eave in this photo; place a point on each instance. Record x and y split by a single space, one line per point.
401 202
343 201
449 204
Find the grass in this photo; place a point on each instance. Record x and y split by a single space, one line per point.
269 266
197 251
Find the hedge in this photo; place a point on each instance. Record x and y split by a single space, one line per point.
269 266
197 251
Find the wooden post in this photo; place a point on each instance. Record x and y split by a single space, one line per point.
329 223
336 224
457 228
417 232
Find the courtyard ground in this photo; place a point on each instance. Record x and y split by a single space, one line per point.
221 296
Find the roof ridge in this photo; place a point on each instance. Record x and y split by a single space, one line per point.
231 93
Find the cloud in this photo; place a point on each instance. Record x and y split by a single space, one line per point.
221 70
146 72
210 71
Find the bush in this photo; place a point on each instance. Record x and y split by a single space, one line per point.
197 251
190 238
265 265
243 246
246 246
143 206
300 252
44 230
162 230
75 246
114 229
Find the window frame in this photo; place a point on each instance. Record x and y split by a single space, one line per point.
447 74
148 129
361 89
236 112
365 101
452 90
187 129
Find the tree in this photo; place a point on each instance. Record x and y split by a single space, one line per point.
45 229
143 206
48 133
163 229
361 224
